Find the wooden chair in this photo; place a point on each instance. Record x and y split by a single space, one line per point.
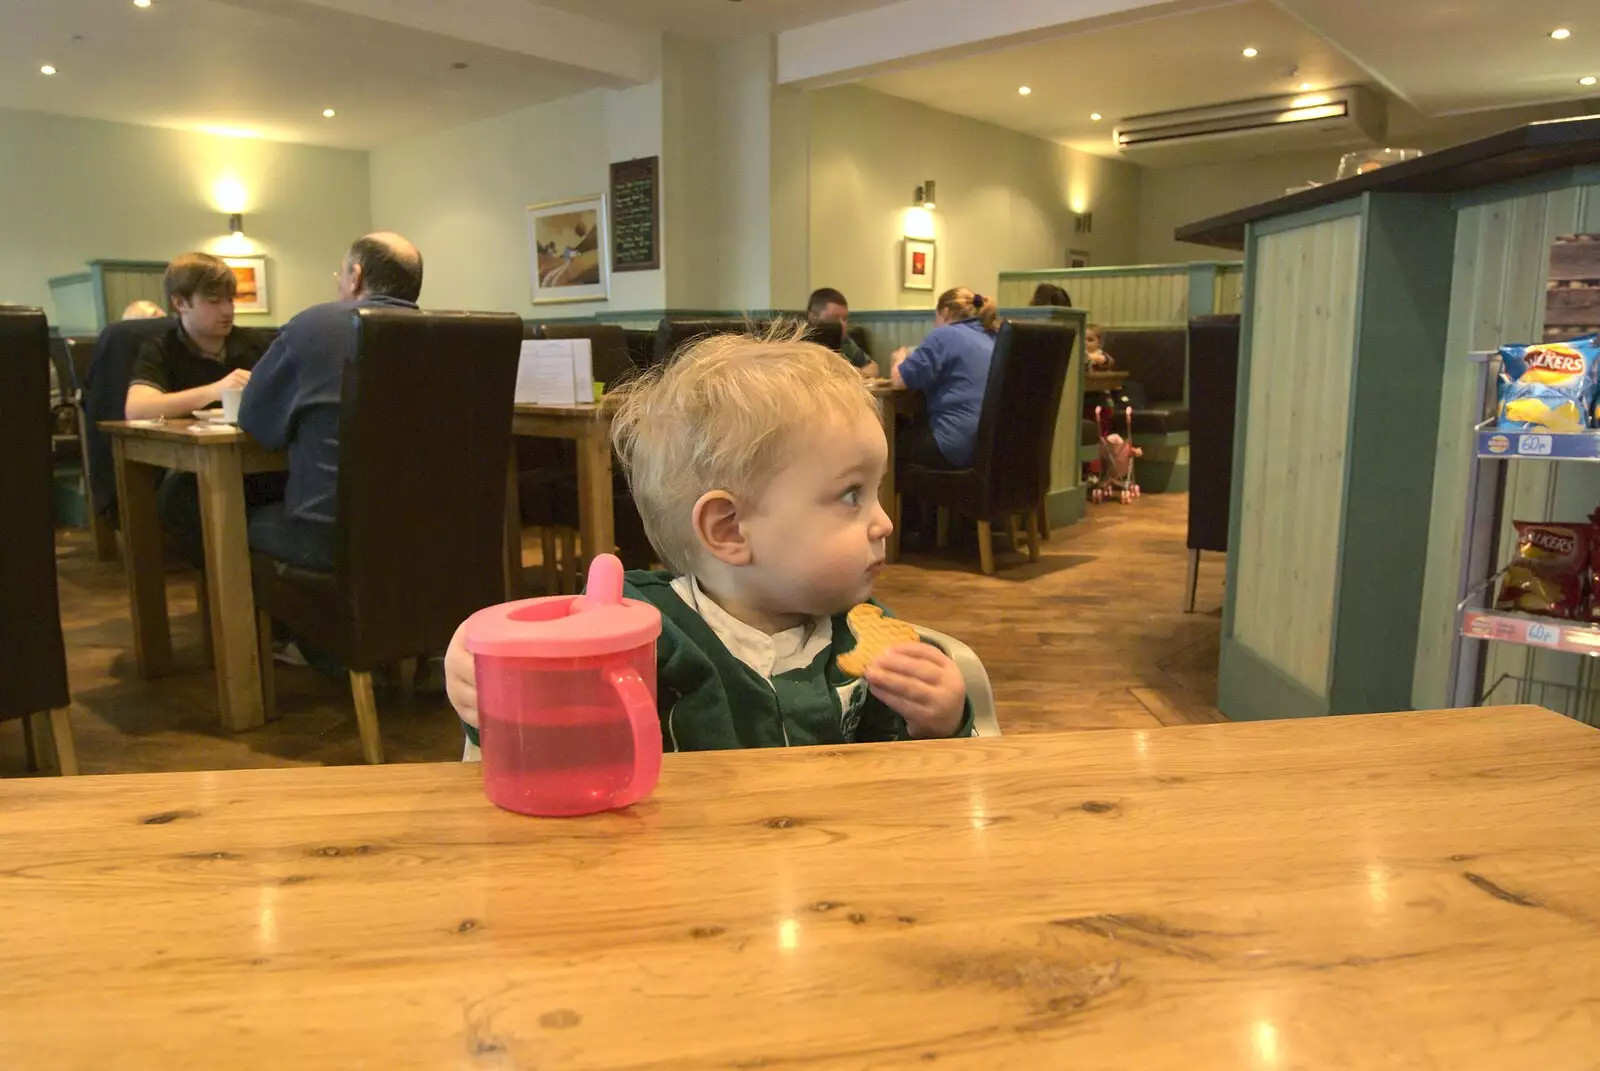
673 334
1016 429
33 657
424 433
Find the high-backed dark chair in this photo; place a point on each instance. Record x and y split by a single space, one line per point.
641 347
1156 360
1010 469
104 396
861 335
673 335
424 432
608 346
1213 402
33 659
830 336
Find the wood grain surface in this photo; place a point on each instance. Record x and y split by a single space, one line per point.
1385 891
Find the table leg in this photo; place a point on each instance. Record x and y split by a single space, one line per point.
596 523
233 601
147 581
886 490
513 530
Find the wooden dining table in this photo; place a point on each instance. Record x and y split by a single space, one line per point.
220 456
1409 890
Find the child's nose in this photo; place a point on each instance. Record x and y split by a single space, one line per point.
881 526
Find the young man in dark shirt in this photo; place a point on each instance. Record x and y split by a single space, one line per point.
186 368
828 306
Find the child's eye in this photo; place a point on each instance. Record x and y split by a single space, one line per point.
852 497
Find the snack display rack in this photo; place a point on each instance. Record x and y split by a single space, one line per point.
1478 623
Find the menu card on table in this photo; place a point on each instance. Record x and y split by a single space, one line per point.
555 372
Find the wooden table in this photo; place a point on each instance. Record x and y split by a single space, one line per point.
1417 890
220 458
590 427
1104 381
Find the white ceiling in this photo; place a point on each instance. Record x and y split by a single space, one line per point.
717 20
264 71
1437 57
1134 69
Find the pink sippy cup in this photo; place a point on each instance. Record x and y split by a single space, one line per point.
567 698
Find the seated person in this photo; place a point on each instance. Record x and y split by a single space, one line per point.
951 368
1097 359
292 402
143 310
828 306
187 367
771 535
1051 294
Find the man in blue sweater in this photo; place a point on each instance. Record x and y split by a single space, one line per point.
292 400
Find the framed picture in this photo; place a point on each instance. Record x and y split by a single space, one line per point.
919 265
1077 258
250 273
567 243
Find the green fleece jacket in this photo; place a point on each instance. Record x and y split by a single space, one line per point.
709 700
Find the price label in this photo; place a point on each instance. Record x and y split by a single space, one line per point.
1544 635
1535 445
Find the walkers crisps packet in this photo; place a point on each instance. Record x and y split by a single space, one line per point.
1551 386
1547 574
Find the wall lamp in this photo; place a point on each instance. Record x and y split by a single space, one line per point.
924 197
236 224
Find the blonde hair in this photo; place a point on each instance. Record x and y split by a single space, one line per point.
963 304
143 310
724 414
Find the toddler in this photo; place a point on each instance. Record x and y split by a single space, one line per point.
755 464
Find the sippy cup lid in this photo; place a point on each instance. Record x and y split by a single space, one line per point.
598 622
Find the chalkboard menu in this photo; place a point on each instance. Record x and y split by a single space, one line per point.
636 215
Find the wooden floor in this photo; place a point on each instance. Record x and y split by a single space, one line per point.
1092 636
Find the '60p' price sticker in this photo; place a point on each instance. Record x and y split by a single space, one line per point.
1544 635
1534 445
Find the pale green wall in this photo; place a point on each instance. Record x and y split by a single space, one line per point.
462 195
1005 200
76 189
1501 264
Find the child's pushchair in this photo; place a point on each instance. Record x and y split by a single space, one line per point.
1111 477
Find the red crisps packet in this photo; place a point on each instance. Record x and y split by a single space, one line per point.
1550 570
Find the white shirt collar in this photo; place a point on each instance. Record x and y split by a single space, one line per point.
766 655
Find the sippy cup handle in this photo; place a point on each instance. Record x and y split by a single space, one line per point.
641 710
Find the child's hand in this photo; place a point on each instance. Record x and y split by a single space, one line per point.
920 683
460 680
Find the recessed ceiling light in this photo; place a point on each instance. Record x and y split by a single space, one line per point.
1305 87
1561 35
1251 53
1589 81
47 69
1024 90
141 3
1096 116
328 113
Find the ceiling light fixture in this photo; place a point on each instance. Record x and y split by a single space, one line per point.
1561 34
1096 116
1588 81
1251 53
1024 90
1305 87
328 113
47 69
141 3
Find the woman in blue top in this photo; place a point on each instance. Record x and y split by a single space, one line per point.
951 368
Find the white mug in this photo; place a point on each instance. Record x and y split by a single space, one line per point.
230 403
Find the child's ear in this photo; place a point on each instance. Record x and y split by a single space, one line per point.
716 523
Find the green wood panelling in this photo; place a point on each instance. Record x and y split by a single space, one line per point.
1402 319
74 312
1143 295
1229 290
1251 689
1502 253
1288 501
